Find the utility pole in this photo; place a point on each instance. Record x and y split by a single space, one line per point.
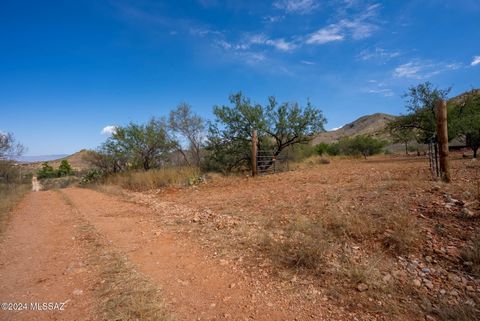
254 152
442 134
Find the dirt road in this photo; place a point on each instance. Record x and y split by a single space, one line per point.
44 257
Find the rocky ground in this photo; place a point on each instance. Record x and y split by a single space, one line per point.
349 240
399 243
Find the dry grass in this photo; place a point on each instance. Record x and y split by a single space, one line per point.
11 194
458 312
304 244
156 178
471 257
124 294
59 182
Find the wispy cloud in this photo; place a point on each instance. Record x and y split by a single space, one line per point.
297 6
378 88
386 92
475 61
273 19
326 35
250 41
419 69
109 130
378 54
358 26
307 62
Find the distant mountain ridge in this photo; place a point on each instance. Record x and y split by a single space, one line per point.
39 158
372 125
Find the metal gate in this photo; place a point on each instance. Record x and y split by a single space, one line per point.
268 163
433 158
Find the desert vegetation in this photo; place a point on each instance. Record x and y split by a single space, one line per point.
13 183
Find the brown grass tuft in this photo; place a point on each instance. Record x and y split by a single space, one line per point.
471 257
11 194
156 178
305 244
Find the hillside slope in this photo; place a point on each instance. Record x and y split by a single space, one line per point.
76 160
373 125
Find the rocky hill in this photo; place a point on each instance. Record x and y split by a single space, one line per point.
373 125
76 160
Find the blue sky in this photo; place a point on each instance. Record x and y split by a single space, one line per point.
70 68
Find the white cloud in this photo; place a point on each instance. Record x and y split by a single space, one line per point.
378 88
325 35
273 19
281 44
408 70
378 54
250 41
109 130
335 128
386 92
307 62
296 6
475 61
419 69
356 27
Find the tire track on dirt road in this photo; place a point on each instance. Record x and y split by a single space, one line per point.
42 262
194 285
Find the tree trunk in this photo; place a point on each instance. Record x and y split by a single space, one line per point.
406 148
475 149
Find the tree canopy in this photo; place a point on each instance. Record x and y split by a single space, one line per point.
278 126
420 104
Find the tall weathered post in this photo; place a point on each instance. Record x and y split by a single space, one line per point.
254 152
442 134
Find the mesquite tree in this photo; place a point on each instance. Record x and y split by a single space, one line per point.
278 125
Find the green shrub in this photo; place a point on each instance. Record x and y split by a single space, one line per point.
46 171
361 145
65 169
321 149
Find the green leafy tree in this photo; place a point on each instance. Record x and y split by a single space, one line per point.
64 169
403 135
465 119
278 126
361 145
137 146
420 103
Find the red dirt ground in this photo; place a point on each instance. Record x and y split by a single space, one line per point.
198 244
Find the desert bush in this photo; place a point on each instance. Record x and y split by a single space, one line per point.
64 169
361 145
322 149
401 233
306 244
10 195
298 153
9 173
471 256
92 176
48 171
156 178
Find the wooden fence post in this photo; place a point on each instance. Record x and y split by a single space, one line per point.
442 134
254 152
